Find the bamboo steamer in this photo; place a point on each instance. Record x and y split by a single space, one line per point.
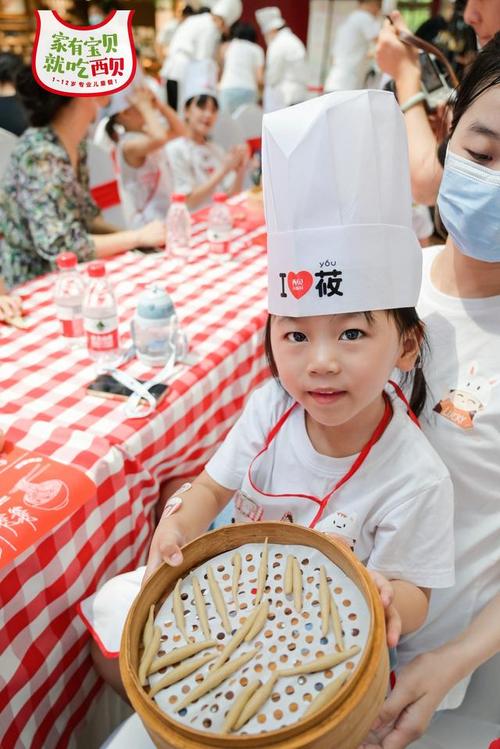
342 724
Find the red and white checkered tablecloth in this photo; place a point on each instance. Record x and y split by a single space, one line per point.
46 679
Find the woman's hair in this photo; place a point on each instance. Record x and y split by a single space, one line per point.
480 76
201 101
406 320
10 64
245 31
41 105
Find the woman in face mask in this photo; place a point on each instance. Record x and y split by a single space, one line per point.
460 303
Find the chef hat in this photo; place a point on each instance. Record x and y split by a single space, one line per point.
269 19
201 79
229 10
121 100
338 206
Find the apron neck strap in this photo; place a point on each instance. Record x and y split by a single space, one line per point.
402 397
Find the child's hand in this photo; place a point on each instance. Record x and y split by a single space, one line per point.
392 618
166 545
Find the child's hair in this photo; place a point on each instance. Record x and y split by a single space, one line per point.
201 101
110 127
406 320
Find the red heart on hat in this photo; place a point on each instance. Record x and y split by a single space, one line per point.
299 283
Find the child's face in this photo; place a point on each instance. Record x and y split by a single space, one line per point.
202 120
336 366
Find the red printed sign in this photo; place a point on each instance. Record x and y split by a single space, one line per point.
36 493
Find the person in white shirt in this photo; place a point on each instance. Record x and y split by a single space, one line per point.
352 47
286 61
460 304
196 38
199 167
243 69
148 125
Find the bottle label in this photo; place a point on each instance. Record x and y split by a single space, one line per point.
102 334
71 320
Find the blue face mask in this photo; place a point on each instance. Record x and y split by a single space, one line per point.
469 206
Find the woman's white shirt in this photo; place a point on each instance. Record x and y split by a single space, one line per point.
241 64
463 424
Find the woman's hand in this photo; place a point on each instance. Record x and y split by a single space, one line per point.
151 235
10 306
392 618
407 712
393 56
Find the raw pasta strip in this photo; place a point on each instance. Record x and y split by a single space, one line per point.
289 575
148 627
324 601
262 576
178 610
179 654
321 664
327 694
259 621
297 586
237 638
255 702
238 705
215 678
337 625
236 562
218 600
180 672
200 607
148 654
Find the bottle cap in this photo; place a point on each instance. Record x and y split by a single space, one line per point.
96 270
178 197
220 197
66 260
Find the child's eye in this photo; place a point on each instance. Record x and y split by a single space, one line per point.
353 334
481 158
296 337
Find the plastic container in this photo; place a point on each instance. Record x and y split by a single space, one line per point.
69 290
178 227
100 316
220 225
155 327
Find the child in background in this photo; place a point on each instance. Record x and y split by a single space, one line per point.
325 443
140 125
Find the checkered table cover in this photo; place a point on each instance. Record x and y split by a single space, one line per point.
46 678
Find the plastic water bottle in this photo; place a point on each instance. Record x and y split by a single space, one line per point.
219 225
178 226
68 297
100 316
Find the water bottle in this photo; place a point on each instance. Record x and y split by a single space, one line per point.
68 297
219 225
155 327
178 226
100 317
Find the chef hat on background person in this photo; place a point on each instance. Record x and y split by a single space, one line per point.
201 79
269 19
121 100
338 202
229 10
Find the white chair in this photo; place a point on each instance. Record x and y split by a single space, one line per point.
105 186
7 144
249 119
227 132
131 733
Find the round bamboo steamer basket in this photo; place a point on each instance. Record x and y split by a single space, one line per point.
342 724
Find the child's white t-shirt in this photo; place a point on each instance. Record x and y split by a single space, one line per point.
462 421
147 187
397 508
192 164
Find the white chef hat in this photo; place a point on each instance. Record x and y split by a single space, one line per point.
121 100
269 19
229 10
338 206
201 79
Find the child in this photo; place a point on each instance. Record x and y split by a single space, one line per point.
200 167
144 169
324 444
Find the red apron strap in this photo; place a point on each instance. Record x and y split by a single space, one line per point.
402 397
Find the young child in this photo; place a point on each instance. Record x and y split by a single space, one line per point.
326 444
141 125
